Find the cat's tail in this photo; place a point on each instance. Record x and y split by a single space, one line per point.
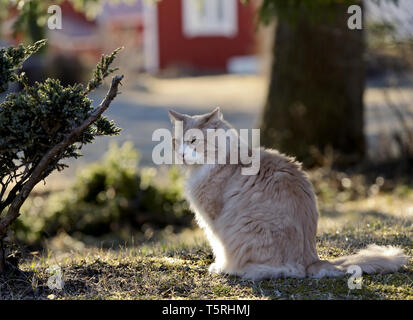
373 259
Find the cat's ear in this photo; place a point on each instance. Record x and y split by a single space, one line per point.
215 114
174 116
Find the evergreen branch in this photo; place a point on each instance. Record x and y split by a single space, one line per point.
38 172
102 70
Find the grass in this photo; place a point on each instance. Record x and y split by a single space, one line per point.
178 269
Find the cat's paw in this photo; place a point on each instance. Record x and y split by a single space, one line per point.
215 268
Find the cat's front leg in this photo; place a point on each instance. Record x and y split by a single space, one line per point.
220 263
216 268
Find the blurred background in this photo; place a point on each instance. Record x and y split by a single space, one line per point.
340 100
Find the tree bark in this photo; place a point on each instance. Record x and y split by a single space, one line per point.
2 258
315 98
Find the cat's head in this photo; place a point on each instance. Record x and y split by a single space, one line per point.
190 136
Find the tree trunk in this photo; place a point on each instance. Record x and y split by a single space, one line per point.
315 98
2 258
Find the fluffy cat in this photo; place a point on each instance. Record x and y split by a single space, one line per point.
264 226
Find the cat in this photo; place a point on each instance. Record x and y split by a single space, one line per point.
264 225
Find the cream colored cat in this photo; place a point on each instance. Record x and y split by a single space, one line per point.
264 225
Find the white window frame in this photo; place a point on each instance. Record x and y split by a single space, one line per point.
197 22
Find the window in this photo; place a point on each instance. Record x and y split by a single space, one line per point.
209 18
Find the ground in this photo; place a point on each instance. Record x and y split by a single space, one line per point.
177 267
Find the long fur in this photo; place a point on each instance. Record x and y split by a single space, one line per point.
264 225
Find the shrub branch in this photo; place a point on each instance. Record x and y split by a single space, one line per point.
38 173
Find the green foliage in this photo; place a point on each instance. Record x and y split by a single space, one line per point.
112 198
11 59
102 70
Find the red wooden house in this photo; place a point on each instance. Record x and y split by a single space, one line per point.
197 34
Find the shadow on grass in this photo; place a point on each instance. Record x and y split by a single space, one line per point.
100 279
89 281
308 289
397 285
19 284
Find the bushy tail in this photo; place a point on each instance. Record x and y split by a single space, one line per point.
374 259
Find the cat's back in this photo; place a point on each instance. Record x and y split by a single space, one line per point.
279 181
273 162
284 173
